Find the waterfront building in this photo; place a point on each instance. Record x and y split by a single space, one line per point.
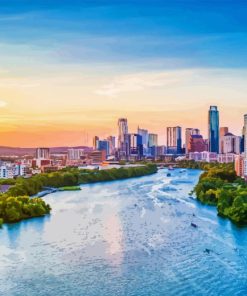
10 170
245 146
122 132
197 144
204 156
196 156
213 129
188 133
231 143
209 156
95 142
43 153
223 130
75 154
7 172
226 158
239 165
174 140
152 140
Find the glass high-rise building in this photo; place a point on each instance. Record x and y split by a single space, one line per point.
144 133
152 140
174 140
135 145
122 132
213 129
104 145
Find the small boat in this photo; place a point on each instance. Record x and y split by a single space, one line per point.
168 175
193 225
207 251
182 171
170 168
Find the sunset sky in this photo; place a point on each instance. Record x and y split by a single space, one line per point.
70 69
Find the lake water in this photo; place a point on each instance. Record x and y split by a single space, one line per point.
129 237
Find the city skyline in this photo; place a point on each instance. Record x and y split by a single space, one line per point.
73 67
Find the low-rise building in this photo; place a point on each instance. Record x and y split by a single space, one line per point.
226 158
98 156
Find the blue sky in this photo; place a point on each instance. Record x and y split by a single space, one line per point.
68 66
188 33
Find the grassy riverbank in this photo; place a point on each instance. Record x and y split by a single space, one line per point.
16 205
219 186
69 188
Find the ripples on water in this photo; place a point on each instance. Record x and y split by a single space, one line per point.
130 237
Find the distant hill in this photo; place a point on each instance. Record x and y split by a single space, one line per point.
19 151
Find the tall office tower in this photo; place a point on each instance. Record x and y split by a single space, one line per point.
122 132
242 142
144 134
112 144
188 133
213 129
231 143
174 140
245 146
152 140
223 130
104 145
95 142
43 153
135 146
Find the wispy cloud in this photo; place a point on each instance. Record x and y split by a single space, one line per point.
2 104
141 81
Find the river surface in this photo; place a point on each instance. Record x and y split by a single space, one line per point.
129 237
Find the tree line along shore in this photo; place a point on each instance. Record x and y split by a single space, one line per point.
219 186
18 202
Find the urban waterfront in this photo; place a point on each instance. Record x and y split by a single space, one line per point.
129 237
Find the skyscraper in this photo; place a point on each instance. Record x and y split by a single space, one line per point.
95 142
242 142
188 133
231 143
122 132
112 144
213 129
223 130
144 134
136 146
152 140
104 145
174 140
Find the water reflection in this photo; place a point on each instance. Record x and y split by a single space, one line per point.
114 239
129 237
